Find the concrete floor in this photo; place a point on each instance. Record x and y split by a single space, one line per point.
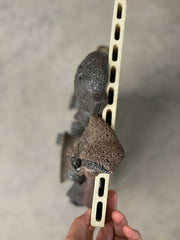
41 44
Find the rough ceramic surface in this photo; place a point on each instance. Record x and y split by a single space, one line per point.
90 86
41 44
96 151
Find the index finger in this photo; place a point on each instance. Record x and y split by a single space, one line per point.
111 204
112 200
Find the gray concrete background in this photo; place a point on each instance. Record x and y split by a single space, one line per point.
41 44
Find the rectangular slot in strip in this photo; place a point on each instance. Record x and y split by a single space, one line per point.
117 32
101 187
115 53
109 117
99 211
111 96
119 11
113 74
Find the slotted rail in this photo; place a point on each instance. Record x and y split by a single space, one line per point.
109 113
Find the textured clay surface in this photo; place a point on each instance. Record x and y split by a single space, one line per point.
98 149
90 86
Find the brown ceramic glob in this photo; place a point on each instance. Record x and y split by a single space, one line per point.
97 150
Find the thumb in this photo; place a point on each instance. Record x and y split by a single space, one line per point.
80 227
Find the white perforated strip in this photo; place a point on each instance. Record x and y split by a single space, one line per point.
109 113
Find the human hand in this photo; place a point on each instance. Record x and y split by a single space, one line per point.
116 226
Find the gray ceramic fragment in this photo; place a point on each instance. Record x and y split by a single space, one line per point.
75 177
76 128
82 194
90 86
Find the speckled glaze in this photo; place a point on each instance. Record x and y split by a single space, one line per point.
90 86
97 150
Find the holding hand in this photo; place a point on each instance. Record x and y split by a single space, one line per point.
116 227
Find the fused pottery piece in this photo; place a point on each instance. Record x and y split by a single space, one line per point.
92 146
